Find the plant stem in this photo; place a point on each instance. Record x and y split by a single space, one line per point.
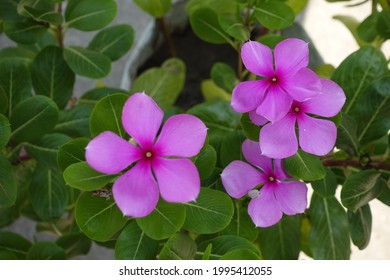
60 35
167 36
355 163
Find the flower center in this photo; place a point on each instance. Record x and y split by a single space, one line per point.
297 109
271 178
274 79
148 154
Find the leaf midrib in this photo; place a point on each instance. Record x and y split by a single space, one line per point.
29 121
73 50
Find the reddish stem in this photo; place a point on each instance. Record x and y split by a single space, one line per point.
167 36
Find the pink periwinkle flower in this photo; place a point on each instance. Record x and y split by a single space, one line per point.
279 193
284 78
316 136
161 166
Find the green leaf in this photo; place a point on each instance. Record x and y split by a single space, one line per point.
165 220
156 8
75 122
357 72
7 255
52 77
114 41
223 76
205 162
327 186
74 244
384 196
8 191
329 233
46 250
162 84
32 118
271 40
72 152
90 15
361 225
5 131
220 119
87 63
251 130
304 166
14 243
231 147
210 213
241 225
240 254
8 10
325 71
297 5
383 24
25 31
367 29
360 188
224 244
212 92
234 26
3 101
205 24
94 95
15 81
17 53
134 244
51 17
99 218
347 135
49 194
218 6
274 15
178 247
352 24
107 115
45 149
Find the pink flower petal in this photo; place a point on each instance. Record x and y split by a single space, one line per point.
279 171
178 179
252 153
141 118
290 56
265 210
110 154
239 178
257 119
247 95
292 197
303 85
328 103
275 105
316 136
181 136
278 140
257 58
136 192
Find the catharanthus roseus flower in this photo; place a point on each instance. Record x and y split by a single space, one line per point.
279 194
160 166
285 77
316 136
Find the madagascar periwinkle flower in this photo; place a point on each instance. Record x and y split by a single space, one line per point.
284 77
279 194
161 165
316 136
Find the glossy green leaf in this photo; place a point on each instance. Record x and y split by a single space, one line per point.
51 17
326 187
156 8
360 188
134 244
8 191
178 247
15 81
46 250
7 255
74 244
72 152
211 212
165 220
361 225
5 131
384 195
241 225
347 135
304 166
163 84
107 115
82 176
271 40
17 53
274 15
8 10
367 29
94 95
357 72
75 122
240 254
205 162
231 147
219 6
383 24
14 243
24 31
297 5
205 24
3 101
90 15
352 24
114 41
234 26
329 233
52 77
87 63
325 71
32 118
212 92
281 241
224 76
251 130
49 194
99 218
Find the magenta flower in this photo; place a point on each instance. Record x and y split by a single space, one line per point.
159 166
279 193
316 136
284 78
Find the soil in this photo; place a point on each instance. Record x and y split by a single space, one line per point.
199 57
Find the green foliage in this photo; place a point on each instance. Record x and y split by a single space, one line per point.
304 166
13 243
5 131
205 162
156 8
8 189
274 15
71 152
360 224
74 244
178 247
46 250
